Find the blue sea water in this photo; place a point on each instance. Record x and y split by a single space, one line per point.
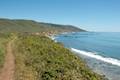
101 48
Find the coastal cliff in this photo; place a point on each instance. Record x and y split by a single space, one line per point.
37 57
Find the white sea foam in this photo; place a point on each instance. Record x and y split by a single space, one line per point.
98 57
53 38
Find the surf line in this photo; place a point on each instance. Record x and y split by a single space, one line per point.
98 57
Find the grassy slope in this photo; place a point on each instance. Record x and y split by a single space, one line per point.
39 58
7 25
3 40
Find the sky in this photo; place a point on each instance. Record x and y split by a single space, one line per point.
91 15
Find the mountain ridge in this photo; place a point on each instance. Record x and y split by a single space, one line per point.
22 25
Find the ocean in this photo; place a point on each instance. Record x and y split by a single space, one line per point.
100 50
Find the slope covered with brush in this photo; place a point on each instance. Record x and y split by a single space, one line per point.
36 60
7 25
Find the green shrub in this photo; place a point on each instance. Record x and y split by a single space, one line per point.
48 60
3 40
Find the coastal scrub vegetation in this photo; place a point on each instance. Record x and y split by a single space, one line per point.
40 58
37 57
3 40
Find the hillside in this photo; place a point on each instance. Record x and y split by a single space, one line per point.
7 25
37 57
36 60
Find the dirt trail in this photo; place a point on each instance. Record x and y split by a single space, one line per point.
7 73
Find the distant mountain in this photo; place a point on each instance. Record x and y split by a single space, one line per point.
19 25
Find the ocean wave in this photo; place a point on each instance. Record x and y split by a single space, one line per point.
98 57
53 38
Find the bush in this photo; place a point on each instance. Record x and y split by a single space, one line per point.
48 60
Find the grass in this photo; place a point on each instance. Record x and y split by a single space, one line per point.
30 26
3 40
40 58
